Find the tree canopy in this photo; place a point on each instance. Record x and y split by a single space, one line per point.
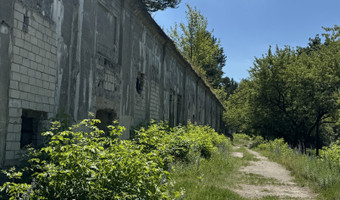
294 94
203 50
155 5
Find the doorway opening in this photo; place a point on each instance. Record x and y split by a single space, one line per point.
32 125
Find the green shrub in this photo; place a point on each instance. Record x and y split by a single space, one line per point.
85 163
332 153
256 141
277 146
241 138
181 142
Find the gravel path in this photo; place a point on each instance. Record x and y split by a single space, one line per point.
285 188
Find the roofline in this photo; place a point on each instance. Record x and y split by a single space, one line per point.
142 11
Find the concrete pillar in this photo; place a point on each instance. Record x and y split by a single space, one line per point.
128 74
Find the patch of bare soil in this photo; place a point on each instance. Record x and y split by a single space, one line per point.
285 189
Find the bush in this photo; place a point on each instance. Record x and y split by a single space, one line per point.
332 153
256 141
181 142
85 163
241 138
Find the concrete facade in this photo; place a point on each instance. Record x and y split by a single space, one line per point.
108 57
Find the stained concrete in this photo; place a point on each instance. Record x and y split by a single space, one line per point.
72 57
5 40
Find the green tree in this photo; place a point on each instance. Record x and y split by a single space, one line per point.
230 85
155 5
238 108
199 46
314 45
293 93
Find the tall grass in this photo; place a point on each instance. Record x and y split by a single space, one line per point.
208 178
320 173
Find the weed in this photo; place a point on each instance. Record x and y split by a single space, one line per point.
320 173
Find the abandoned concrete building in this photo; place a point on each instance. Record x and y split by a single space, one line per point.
108 57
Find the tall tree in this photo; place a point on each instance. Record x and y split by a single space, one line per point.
230 85
155 5
293 93
199 46
238 108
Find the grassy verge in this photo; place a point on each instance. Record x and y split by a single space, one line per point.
215 178
320 175
314 173
208 178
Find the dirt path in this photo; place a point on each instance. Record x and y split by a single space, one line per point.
281 184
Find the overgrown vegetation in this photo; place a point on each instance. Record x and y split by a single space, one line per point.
321 173
217 177
208 179
85 163
241 139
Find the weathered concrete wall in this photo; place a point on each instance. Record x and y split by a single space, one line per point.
6 23
71 57
33 71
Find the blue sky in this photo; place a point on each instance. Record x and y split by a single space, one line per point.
246 28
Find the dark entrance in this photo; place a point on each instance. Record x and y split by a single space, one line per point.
106 117
32 123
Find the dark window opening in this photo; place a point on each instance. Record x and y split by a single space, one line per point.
106 62
25 24
101 84
32 125
140 82
106 117
27 132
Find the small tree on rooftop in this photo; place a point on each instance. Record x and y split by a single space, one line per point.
155 5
